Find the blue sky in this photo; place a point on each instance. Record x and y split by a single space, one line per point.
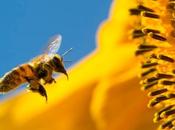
26 26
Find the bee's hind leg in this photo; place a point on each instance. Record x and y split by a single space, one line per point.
35 86
39 89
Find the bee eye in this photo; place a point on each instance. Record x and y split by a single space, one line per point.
56 60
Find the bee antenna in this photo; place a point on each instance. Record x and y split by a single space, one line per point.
66 52
67 60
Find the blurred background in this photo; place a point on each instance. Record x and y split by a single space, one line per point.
26 26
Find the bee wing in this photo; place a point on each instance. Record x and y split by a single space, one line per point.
52 48
54 44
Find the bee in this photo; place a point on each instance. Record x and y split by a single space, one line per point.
39 69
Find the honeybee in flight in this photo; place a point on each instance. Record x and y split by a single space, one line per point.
37 70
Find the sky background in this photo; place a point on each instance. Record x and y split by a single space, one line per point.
27 25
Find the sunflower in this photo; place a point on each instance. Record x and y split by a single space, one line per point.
135 49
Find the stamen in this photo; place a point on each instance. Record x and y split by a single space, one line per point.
171 6
141 7
161 75
167 82
171 95
154 56
157 115
148 30
157 92
134 11
147 65
137 33
147 86
167 124
173 22
152 79
166 58
157 37
157 100
156 76
150 15
144 46
142 51
148 72
165 114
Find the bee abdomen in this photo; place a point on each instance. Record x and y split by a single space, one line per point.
16 77
5 88
10 81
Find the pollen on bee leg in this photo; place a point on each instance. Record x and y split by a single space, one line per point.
38 88
42 92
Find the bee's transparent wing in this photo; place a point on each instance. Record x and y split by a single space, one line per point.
52 48
54 44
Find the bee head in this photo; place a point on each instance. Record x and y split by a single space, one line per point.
57 63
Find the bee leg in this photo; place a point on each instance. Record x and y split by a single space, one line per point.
42 91
51 80
35 86
39 89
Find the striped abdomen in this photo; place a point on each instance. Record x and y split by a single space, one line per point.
16 77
